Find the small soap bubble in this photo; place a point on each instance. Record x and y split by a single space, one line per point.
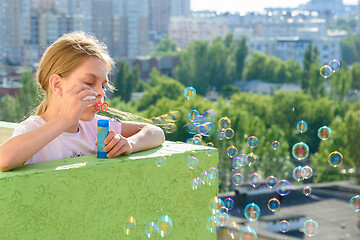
335 159
252 141
300 151
217 204
248 233
204 177
165 225
210 179
224 218
325 71
160 161
203 129
130 225
251 158
252 212
306 172
170 128
273 204
244 158
192 162
307 190
310 227
212 223
175 115
271 181
209 115
275 145
192 128
302 126
193 114
284 226
189 93
151 229
283 187
324 133
213 171
238 162
229 133
195 183
229 203
193 141
224 123
210 129
238 179
334 65
211 150
232 151
255 179
355 203
297 174
200 119
221 136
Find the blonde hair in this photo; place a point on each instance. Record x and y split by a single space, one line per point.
64 55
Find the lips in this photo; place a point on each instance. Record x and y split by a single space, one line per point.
97 106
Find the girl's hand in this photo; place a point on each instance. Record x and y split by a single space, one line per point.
115 144
73 102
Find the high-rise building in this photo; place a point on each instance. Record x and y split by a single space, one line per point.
180 8
160 16
13 29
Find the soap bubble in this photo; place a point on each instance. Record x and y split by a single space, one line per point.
306 172
204 177
229 133
325 71
192 128
283 187
130 225
210 179
193 114
275 145
335 159
200 119
192 162
355 203
251 157
212 223
221 136
252 141
195 183
255 179
232 151
193 141
301 126
165 226
229 203
252 212
271 181
224 123
300 151
213 171
210 129
297 173
189 93
211 150
238 179
217 204
334 65
239 161
170 128
233 230
284 226
324 133
310 227
160 161
224 218
307 190
273 204
209 115
151 229
248 233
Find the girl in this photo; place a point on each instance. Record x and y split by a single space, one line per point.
73 73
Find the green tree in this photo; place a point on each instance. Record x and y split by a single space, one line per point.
317 86
255 65
241 53
125 81
165 47
350 49
356 75
340 84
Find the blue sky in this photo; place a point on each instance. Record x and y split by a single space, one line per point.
248 5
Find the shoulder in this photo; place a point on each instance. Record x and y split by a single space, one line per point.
28 125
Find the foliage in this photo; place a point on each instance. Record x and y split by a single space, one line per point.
311 57
125 81
165 47
350 49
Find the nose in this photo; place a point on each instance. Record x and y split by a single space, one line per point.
100 92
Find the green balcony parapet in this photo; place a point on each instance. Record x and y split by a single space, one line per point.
90 198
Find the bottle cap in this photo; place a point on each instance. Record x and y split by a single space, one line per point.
103 123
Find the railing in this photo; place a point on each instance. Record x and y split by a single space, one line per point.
90 198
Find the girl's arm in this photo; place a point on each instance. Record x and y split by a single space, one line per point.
19 149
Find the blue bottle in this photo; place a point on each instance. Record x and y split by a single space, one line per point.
102 132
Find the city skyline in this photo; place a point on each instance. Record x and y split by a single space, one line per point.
252 6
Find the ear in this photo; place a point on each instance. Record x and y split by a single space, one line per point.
55 82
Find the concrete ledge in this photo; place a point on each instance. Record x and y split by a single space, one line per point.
90 198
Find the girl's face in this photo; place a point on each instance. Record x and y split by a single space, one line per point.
91 72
